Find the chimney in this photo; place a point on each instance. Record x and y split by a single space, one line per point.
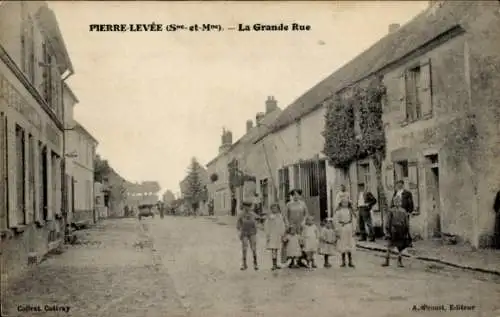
258 118
249 125
393 27
271 104
229 137
223 137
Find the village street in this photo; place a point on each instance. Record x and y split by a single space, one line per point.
180 266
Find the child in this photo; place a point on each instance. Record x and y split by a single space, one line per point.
344 226
398 231
293 250
327 241
274 228
247 228
311 241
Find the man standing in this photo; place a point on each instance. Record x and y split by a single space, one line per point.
406 200
366 201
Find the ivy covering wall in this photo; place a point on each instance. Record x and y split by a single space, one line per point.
341 145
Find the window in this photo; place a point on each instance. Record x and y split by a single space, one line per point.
401 171
413 110
47 75
416 93
364 176
27 44
284 183
314 179
31 176
20 176
54 181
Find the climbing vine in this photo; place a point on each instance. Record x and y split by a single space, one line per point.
372 139
340 143
342 146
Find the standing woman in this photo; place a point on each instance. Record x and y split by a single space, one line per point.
295 215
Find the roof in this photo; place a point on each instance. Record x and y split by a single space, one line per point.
82 128
70 91
425 27
254 133
48 21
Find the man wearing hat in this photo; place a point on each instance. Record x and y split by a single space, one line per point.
247 229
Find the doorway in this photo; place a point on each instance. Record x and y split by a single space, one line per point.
433 197
323 191
44 193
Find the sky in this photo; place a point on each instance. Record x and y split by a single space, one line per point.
156 99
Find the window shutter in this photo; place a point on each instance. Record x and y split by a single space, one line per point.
425 92
401 113
413 182
389 177
11 171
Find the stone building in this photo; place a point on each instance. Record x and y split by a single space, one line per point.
81 150
34 63
241 154
441 119
219 190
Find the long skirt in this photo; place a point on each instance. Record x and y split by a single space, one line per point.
346 242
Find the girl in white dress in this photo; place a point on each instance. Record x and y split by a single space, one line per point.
344 227
327 241
311 241
274 228
293 250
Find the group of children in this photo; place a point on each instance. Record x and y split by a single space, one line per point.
302 243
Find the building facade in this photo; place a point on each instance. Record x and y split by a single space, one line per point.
80 152
440 117
242 154
294 153
33 61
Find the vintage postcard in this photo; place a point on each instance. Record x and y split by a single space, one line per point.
250 158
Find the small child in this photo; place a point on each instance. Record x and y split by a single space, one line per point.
344 227
274 228
327 241
247 229
398 231
311 241
293 250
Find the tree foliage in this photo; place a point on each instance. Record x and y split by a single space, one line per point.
372 139
101 169
339 134
194 191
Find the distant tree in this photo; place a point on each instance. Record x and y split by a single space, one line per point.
101 169
194 188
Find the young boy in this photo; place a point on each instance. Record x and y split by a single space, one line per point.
398 231
247 228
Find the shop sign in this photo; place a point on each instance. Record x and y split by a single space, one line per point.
16 101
